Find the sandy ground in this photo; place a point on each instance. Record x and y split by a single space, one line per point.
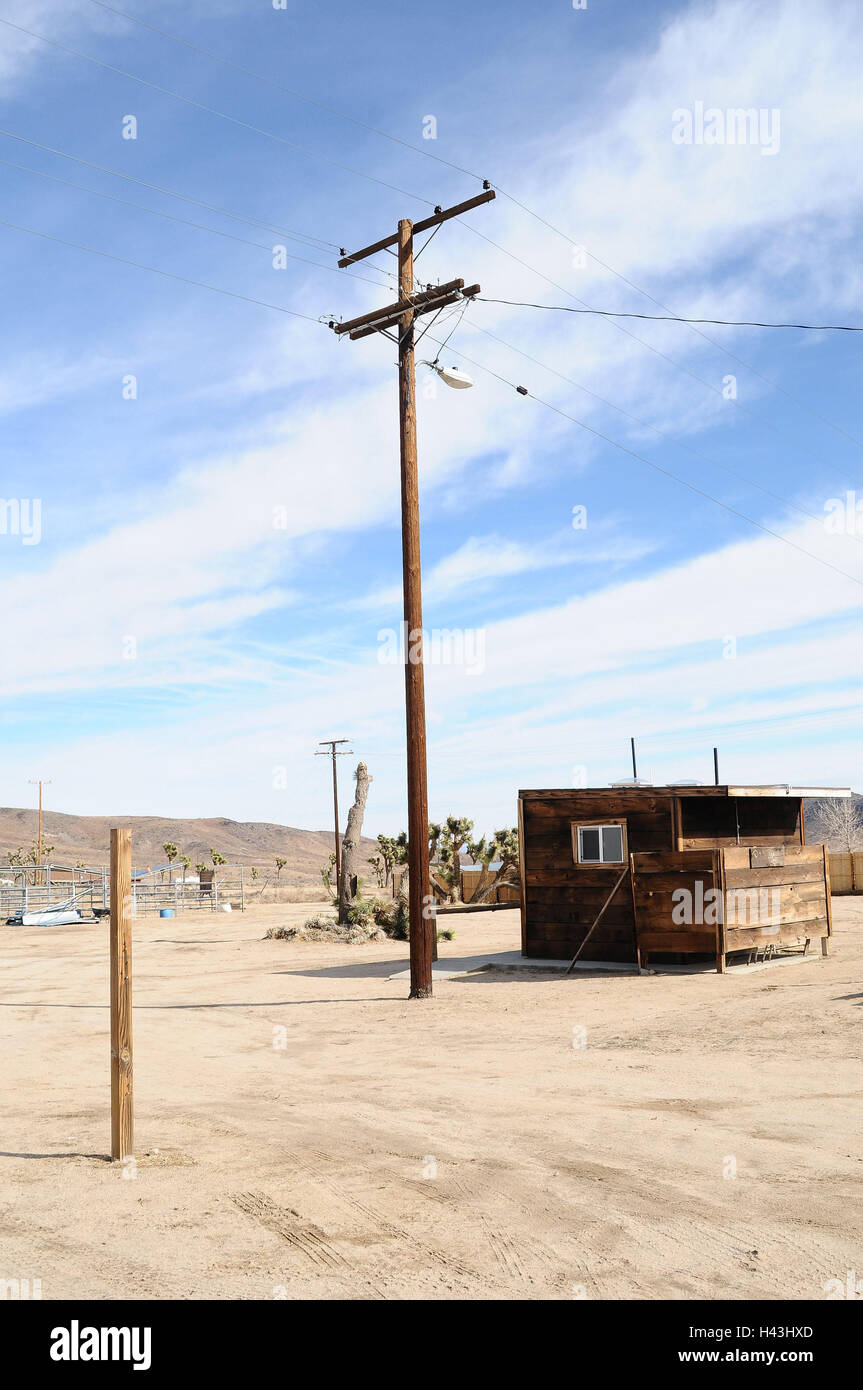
459 1148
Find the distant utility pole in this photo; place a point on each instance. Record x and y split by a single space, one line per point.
401 316
634 764
37 782
331 744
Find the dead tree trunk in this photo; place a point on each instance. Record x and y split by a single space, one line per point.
351 843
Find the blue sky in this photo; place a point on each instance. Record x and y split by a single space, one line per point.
219 555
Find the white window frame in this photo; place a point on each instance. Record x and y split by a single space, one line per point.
600 825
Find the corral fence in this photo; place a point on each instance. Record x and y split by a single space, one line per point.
846 871
38 888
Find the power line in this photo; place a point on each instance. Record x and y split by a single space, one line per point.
184 221
700 492
428 154
659 304
156 270
308 241
672 361
663 434
674 318
213 111
313 154
291 91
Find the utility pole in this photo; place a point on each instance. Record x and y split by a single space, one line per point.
401 316
37 782
331 744
634 765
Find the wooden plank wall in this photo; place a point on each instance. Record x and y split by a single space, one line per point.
656 878
782 903
561 898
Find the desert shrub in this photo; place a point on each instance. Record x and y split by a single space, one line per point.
448 935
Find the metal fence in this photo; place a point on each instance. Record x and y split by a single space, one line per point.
39 888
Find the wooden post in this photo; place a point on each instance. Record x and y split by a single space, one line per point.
122 1136
422 926
825 947
401 316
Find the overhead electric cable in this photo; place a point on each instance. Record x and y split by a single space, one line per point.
663 434
213 111
156 270
673 318
185 222
301 237
716 390
429 154
624 448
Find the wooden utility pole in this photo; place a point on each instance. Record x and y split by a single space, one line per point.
36 782
331 744
122 1126
401 316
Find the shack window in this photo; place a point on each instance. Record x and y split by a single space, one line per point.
598 844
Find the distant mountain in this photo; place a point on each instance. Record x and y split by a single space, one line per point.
86 839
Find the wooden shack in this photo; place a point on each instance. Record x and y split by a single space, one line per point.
676 871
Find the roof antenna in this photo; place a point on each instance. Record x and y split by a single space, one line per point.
716 766
634 768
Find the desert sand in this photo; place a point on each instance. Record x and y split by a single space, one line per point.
304 1131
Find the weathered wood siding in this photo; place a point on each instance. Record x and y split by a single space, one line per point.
656 878
561 898
781 902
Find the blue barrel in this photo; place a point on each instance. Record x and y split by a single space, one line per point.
166 912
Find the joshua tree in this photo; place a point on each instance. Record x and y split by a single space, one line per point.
217 858
280 864
503 846
351 841
326 874
170 851
449 841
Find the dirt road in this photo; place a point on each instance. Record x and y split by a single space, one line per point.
304 1131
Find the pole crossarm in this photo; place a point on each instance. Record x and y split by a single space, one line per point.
439 215
381 325
400 307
